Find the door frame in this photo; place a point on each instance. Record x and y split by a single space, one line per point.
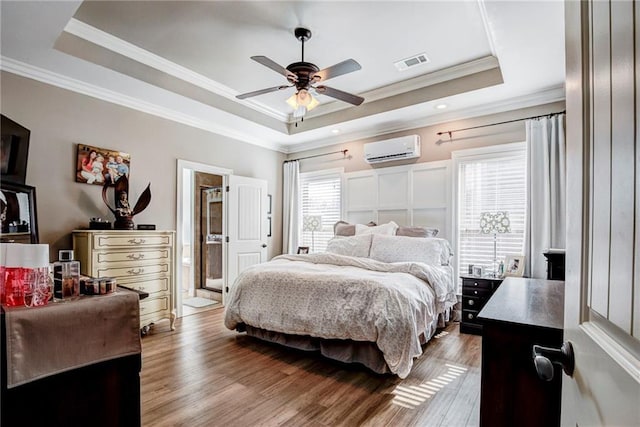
182 166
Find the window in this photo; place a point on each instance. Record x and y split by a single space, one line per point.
320 195
490 180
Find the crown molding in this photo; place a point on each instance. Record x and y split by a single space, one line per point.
553 94
45 76
487 26
133 52
546 96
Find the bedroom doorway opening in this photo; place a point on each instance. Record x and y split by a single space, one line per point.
201 224
221 229
207 239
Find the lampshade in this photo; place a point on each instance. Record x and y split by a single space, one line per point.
302 101
495 222
312 223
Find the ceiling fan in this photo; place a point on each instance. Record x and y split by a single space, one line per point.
305 76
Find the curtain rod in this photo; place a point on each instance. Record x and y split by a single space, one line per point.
344 153
501 123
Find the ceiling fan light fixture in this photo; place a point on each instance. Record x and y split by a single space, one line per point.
303 76
302 99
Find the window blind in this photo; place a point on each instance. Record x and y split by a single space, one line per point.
320 195
490 184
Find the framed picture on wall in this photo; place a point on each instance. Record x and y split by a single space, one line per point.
96 165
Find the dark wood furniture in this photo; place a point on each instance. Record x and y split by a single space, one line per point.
101 394
555 264
476 291
521 313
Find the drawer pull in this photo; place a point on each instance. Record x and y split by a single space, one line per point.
475 292
475 283
136 271
470 316
135 257
136 241
471 302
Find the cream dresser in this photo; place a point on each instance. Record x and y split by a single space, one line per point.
142 260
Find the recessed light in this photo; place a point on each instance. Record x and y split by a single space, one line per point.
335 131
441 106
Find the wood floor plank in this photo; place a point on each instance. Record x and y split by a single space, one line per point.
203 374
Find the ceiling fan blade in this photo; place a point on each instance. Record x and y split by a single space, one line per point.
260 92
275 67
336 70
338 94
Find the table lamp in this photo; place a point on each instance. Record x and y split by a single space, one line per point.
495 222
312 223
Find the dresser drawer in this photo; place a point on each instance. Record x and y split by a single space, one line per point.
130 257
477 292
134 270
151 286
139 240
479 283
470 316
473 303
149 306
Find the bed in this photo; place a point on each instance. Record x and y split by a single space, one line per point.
372 299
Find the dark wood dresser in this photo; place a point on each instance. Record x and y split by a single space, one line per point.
102 393
521 313
476 291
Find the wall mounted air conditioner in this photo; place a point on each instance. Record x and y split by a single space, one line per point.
404 147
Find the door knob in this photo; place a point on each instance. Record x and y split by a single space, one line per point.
545 357
264 245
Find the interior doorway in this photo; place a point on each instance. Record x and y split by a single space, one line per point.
208 227
200 227
241 236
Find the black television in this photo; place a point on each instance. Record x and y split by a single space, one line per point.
14 150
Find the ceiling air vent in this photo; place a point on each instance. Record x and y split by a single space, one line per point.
412 61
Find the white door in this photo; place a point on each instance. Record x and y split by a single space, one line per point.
247 219
602 288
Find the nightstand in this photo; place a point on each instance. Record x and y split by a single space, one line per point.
476 291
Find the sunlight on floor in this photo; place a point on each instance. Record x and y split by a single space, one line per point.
412 396
441 334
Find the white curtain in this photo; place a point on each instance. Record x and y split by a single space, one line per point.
290 207
546 191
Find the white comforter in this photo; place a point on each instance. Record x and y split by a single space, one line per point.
334 296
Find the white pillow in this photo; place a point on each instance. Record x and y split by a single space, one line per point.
351 246
429 250
388 229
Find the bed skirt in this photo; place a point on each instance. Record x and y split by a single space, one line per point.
346 351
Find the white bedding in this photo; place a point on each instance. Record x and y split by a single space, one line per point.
341 297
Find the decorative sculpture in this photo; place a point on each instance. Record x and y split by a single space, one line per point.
123 212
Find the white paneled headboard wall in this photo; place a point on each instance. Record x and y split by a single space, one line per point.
418 194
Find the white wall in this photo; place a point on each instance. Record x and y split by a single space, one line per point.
59 119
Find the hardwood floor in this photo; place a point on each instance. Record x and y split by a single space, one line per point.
203 374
